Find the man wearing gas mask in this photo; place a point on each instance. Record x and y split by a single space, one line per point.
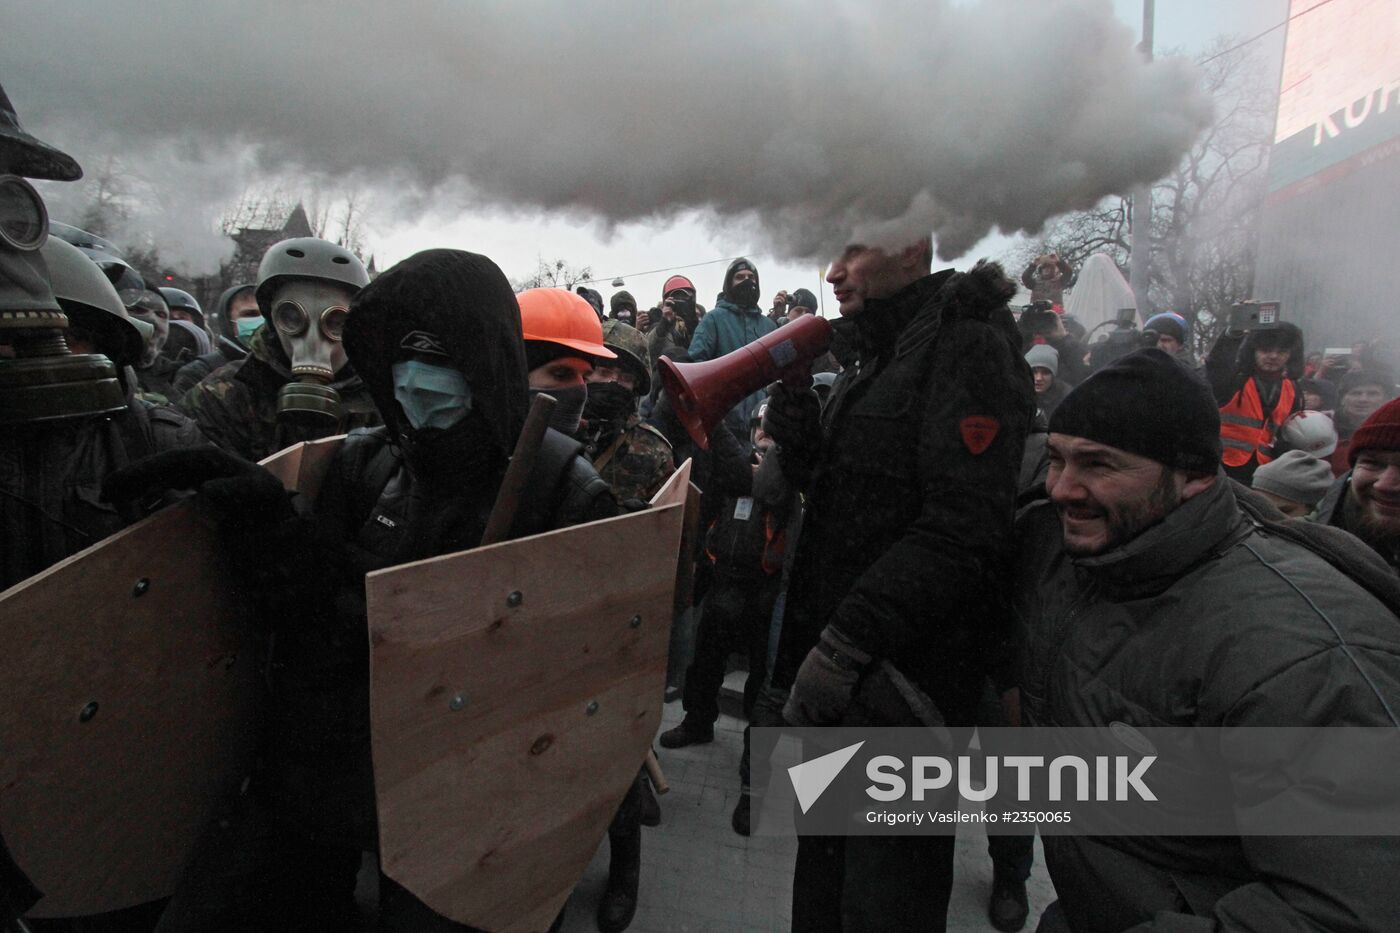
155 370
632 456
68 411
295 384
69 414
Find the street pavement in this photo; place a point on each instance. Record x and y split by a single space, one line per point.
699 876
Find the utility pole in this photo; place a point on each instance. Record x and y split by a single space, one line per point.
1141 233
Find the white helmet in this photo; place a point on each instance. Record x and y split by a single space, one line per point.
1309 431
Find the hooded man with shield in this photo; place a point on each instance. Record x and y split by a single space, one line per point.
69 414
437 340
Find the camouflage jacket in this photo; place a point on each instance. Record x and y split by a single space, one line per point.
236 405
639 466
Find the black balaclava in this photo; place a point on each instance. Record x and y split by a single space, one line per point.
609 404
568 403
744 294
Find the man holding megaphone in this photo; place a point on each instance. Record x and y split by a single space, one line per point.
910 476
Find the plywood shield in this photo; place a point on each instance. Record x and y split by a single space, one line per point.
128 690
515 690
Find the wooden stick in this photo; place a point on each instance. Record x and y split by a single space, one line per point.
518 473
658 778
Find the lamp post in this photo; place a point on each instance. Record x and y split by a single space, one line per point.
1140 240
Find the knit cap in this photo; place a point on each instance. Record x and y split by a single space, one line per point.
1044 356
1381 431
1296 476
1149 404
803 298
1167 323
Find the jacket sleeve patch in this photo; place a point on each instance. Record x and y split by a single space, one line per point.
978 432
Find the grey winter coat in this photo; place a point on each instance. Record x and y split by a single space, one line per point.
1211 618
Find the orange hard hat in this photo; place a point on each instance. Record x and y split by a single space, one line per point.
553 315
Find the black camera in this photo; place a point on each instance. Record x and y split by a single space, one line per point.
1038 319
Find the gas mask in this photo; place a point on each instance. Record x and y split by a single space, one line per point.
152 309
308 317
44 381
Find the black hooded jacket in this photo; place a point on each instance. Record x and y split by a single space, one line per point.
393 495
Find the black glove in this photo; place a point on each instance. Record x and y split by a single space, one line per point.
242 492
793 418
826 681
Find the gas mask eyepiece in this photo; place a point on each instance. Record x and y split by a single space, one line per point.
24 221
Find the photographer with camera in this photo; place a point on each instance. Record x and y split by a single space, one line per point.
1040 323
1253 372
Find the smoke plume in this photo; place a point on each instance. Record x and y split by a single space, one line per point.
821 124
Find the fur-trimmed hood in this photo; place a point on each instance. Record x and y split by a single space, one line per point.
1282 334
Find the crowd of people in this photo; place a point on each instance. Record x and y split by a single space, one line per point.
969 511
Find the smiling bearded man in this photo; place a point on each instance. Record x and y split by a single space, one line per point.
1156 592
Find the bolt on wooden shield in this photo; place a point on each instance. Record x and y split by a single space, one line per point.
128 692
515 690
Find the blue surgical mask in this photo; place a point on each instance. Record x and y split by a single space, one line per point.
431 396
247 326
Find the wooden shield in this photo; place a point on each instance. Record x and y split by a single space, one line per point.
128 692
515 690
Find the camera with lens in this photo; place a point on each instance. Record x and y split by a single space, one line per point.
1039 319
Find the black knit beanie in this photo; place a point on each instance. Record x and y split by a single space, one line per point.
1150 404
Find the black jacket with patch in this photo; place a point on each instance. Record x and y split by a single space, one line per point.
906 540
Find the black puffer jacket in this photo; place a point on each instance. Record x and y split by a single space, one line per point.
1212 618
907 537
391 496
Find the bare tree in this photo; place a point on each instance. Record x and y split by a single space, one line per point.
553 274
1205 213
338 217
257 210
109 203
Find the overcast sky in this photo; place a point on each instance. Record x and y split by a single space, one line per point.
839 120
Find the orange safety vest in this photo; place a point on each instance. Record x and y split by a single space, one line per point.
1244 430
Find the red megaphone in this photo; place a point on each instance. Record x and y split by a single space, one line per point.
703 393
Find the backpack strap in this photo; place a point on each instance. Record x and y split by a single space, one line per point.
552 463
